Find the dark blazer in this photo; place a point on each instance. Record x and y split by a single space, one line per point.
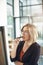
30 57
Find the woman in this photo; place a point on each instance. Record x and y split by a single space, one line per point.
26 52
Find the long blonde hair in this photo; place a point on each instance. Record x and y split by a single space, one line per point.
32 31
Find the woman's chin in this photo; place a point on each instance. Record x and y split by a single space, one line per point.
24 39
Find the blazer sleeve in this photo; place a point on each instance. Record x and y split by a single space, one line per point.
13 59
34 57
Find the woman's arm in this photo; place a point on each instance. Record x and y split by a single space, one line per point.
18 63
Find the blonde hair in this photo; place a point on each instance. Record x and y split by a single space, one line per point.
32 31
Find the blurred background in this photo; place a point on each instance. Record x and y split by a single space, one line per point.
16 13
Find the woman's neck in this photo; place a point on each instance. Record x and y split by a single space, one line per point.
28 43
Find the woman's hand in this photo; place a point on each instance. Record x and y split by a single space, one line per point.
14 47
18 63
14 44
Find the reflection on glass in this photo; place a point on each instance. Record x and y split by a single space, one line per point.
36 9
21 12
9 1
21 3
28 2
40 62
38 19
31 2
25 2
24 21
36 2
21 9
11 33
9 20
26 11
9 10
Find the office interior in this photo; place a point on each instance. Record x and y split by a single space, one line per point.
13 15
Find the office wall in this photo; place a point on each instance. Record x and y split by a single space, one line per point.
3 17
17 20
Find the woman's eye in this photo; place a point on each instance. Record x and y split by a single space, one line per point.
26 32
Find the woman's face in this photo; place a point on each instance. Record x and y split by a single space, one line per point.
25 34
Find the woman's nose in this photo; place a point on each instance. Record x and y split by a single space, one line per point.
23 33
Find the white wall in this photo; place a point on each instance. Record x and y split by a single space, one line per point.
3 18
16 8
16 14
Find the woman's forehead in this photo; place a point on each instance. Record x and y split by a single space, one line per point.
26 28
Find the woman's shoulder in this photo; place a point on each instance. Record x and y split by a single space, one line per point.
36 45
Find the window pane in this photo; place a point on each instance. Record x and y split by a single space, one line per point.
9 1
26 11
31 2
21 2
28 2
9 20
38 19
36 10
36 2
25 2
24 21
9 10
11 33
21 9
